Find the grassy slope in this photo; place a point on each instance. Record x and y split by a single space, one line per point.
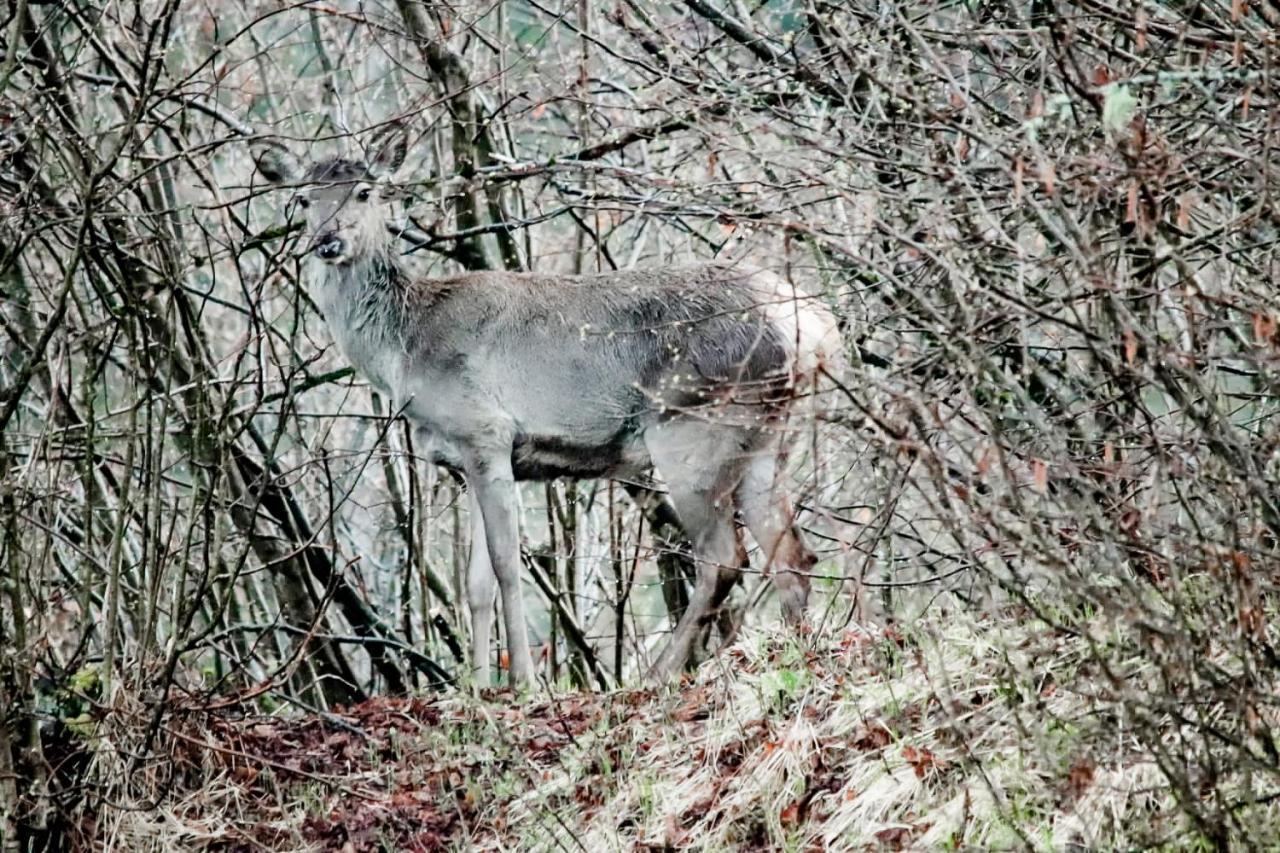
958 735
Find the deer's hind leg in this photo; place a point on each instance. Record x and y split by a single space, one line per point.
771 520
701 463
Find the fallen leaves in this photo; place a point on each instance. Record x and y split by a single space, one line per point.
695 707
1079 779
923 761
872 736
412 798
894 837
664 769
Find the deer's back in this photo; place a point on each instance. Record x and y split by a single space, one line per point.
719 323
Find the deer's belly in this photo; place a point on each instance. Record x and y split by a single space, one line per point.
543 457
536 457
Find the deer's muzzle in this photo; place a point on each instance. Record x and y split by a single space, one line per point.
330 247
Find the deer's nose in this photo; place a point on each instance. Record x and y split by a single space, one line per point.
329 246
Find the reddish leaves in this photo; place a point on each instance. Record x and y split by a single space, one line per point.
406 798
895 837
922 761
696 706
1264 329
1079 778
872 736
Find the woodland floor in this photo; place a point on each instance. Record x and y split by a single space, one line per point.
954 735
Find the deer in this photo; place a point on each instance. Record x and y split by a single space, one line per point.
524 376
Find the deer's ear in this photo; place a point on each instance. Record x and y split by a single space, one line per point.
276 164
388 150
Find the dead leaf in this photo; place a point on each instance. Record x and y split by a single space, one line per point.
675 835
922 760
467 800
1079 778
984 461
895 837
1048 177
1264 327
1130 346
1185 202
871 737
695 707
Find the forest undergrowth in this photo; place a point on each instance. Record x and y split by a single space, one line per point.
992 733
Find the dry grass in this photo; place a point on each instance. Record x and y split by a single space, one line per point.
953 734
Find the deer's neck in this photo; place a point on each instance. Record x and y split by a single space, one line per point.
364 293
363 305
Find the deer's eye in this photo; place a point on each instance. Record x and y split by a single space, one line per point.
363 194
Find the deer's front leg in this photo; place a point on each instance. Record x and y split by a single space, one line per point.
482 586
493 485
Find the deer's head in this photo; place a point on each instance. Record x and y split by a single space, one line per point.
345 201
